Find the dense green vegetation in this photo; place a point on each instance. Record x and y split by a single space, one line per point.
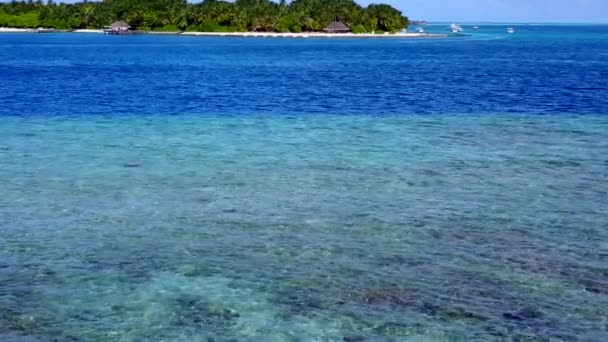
209 15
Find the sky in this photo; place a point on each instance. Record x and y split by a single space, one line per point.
537 11
576 11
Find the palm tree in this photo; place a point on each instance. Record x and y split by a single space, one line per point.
87 12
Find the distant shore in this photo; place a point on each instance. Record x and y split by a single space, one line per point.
244 34
310 35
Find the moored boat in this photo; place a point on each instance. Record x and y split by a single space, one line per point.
455 28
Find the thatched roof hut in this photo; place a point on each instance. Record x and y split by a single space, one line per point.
119 25
336 27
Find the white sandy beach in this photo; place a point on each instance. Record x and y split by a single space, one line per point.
87 31
245 34
310 35
15 30
36 30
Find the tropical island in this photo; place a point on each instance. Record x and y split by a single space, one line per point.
207 16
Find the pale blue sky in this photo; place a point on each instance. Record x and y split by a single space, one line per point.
594 11
578 11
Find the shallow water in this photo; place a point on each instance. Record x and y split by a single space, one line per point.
304 227
273 213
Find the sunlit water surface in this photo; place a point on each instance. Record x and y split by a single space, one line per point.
302 228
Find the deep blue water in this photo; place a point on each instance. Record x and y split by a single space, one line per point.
540 69
226 189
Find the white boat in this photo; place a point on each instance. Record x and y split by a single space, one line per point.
419 30
510 30
475 28
455 28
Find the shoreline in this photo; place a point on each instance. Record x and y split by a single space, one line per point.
240 34
307 35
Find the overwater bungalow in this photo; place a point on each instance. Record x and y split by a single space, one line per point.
118 27
336 27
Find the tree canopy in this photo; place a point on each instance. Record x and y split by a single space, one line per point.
209 15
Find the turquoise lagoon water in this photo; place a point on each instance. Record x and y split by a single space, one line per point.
168 198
